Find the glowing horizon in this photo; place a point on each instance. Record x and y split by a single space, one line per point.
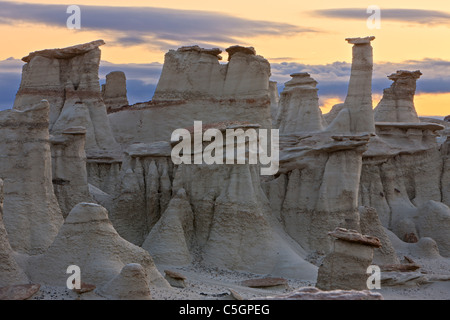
302 35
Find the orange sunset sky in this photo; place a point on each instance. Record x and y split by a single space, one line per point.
294 35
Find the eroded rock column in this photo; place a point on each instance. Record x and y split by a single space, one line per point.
397 104
357 113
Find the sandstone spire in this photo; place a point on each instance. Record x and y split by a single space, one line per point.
357 113
397 104
299 106
68 79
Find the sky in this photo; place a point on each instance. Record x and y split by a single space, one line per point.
294 35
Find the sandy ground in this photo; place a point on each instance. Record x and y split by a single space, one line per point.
214 284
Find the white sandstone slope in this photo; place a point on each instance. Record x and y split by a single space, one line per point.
195 86
68 79
88 239
10 272
299 106
31 213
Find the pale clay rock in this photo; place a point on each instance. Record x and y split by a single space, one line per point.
299 106
397 104
131 284
114 91
194 85
10 272
334 172
31 213
87 239
345 268
60 76
309 293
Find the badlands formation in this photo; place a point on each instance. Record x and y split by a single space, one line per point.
88 180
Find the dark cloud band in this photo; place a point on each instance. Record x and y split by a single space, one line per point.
414 16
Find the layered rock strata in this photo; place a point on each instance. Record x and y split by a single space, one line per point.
88 240
68 79
345 268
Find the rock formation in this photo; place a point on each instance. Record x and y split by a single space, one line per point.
194 85
114 91
130 284
170 240
316 294
434 222
10 272
397 104
357 114
87 239
384 174
371 224
68 79
274 100
345 268
69 168
31 213
299 106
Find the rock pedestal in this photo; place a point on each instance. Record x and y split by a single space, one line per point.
345 268
299 106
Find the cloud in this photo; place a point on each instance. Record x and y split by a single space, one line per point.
333 78
415 16
162 27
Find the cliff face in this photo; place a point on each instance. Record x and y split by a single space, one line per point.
68 79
